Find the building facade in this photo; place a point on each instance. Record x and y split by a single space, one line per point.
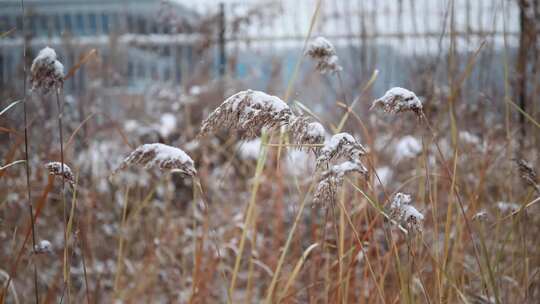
137 41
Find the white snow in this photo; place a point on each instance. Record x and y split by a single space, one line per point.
57 167
336 140
257 98
407 147
299 162
401 206
507 206
249 150
469 138
43 246
385 174
398 100
195 90
48 56
321 44
321 50
315 129
347 167
167 124
165 152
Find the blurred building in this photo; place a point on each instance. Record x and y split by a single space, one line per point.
136 40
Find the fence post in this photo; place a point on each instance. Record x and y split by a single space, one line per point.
222 54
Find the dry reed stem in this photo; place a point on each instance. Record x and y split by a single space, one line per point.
249 211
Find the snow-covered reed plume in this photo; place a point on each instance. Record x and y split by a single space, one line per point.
46 72
341 145
162 156
332 179
481 216
322 51
398 100
249 113
43 247
402 211
306 132
55 168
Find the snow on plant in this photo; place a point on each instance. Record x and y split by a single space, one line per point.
249 113
481 216
306 132
162 156
333 178
249 150
46 72
402 211
507 206
167 124
398 100
55 168
43 247
321 50
341 145
407 147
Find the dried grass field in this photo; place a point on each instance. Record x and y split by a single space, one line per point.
217 192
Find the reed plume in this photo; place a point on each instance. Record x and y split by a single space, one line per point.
324 53
46 72
162 156
398 100
248 113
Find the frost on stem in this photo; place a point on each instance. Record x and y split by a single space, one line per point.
55 168
405 214
341 145
398 100
249 113
322 51
46 72
43 247
305 132
162 156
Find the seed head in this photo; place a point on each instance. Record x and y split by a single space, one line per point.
43 247
249 113
405 214
162 156
398 100
341 145
46 72
332 179
324 53
528 174
306 132
55 168
480 216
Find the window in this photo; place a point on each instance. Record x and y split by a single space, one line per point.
79 24
33 24
43 27
57 24
68 26
141 24
130 27
105 23
92 23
